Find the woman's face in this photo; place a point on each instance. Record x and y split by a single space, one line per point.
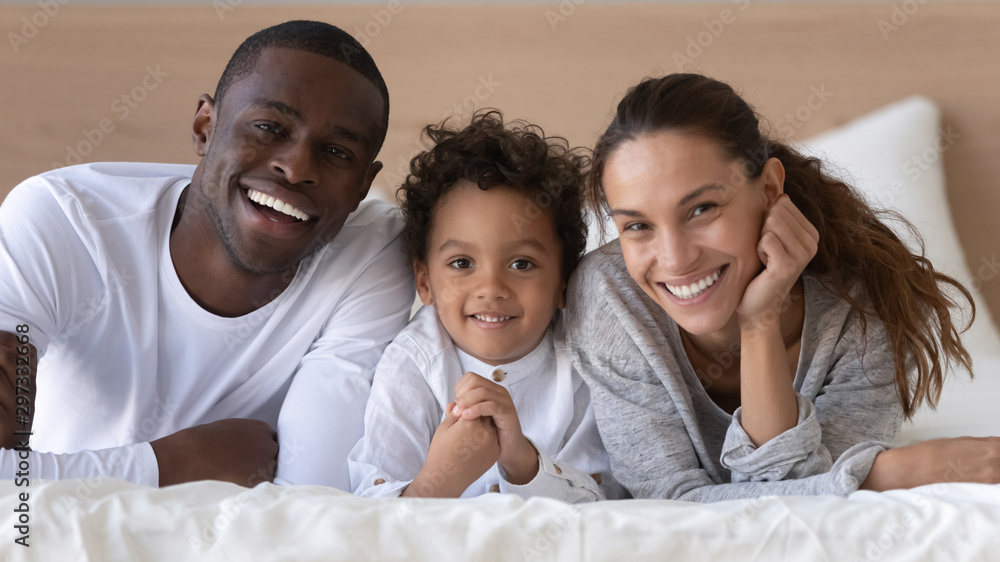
689 221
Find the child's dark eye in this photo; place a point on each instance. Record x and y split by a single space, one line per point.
522 265
460 263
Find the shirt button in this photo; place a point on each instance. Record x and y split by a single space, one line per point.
558 470
495 488
597 477
379 481
498 375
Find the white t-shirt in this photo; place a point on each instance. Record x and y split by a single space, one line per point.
127 356
415 380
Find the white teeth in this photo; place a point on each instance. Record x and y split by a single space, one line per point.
493 319
276 204
694 289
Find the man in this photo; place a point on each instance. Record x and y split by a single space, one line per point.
165 302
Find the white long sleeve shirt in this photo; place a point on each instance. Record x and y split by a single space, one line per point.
127 356
415 380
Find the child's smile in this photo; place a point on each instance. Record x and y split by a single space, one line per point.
492 321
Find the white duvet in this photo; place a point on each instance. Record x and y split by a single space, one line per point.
111 520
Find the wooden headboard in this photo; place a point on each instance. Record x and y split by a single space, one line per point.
136 72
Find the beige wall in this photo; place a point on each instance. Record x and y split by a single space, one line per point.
563 71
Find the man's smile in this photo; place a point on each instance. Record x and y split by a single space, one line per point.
264 200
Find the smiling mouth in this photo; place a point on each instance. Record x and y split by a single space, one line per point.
262 200
685 292
491 318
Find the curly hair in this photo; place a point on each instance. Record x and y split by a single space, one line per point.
490 153
856 247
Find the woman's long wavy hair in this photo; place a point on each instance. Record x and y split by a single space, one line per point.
856 248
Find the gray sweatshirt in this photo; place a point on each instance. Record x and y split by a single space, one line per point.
668 439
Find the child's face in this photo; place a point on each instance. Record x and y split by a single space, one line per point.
492 273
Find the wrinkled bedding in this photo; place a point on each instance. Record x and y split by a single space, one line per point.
111 520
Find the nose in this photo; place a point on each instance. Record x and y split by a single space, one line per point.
676 253
295 163
491 285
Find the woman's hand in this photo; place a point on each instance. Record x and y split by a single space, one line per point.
959 459
788 242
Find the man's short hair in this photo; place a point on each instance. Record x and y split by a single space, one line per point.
314 37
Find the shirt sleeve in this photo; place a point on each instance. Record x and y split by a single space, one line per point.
48 283
135 463
48 280
400 421
561 481
650 447
322 416
857 405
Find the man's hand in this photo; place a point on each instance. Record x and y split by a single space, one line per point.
477 397
18 360
460 452
240 451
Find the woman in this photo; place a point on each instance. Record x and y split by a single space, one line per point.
756 329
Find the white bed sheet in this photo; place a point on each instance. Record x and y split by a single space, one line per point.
112 520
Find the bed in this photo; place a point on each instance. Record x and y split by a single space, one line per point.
899 96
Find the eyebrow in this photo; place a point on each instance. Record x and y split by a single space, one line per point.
282 108
294 114
452 243
684 200
699 192
527 242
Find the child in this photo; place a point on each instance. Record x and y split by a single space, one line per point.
476 394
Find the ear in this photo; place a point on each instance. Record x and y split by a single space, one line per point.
204 123
561 300
773 177
423 282
373 171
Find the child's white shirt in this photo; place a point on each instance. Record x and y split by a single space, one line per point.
415 380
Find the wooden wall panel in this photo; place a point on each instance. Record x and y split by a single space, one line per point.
65 74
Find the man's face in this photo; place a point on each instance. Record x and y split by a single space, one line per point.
287 156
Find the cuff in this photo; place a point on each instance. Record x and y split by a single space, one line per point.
853 466
796 453
377 484
549 481
143 469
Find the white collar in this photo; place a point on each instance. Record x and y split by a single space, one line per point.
539 360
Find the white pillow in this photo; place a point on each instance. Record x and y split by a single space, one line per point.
894 155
